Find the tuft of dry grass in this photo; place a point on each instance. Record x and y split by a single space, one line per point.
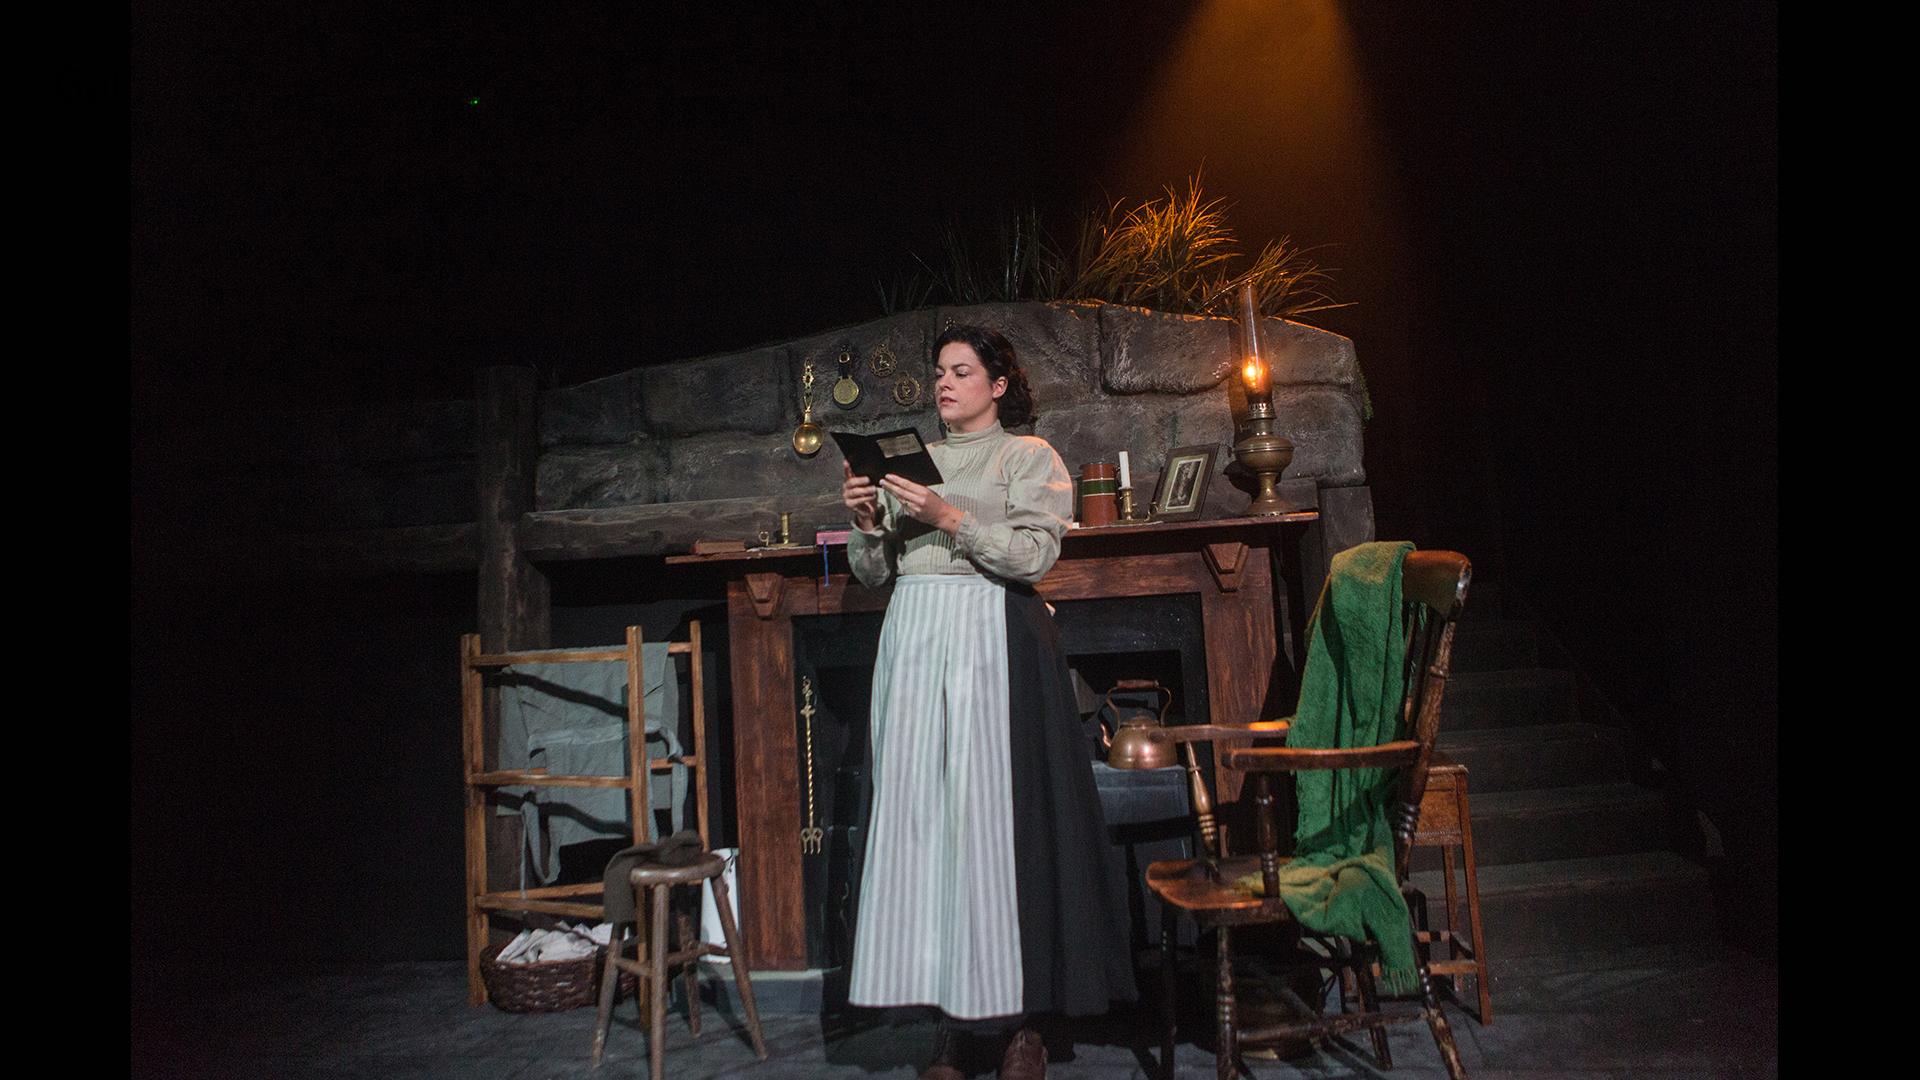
1176 253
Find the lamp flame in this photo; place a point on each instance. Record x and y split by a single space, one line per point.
1253 374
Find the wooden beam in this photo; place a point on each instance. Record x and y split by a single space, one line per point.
766 779
506 902
644 529
668 528
515 609
569 656
515 606
474 757
530 778
553 892
415 549
275 555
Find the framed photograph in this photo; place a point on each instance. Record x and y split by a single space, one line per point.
1182 489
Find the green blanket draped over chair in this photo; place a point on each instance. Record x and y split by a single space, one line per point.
1341 878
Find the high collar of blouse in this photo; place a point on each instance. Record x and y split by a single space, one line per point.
974 438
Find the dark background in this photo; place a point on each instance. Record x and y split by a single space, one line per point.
1558 224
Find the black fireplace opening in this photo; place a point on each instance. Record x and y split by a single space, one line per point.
833 670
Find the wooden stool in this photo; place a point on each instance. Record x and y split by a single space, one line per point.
1445 823
657 882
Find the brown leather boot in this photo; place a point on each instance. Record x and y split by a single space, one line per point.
1026 1057
946 1057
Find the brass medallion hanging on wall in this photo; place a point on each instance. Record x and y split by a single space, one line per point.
906 392
846 390
882 360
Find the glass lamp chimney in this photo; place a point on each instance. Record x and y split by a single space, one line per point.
1253 370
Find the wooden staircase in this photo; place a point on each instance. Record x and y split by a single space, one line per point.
1578 848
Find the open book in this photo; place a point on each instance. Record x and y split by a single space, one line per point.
898 452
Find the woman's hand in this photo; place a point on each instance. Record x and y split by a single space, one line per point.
922 504
861 497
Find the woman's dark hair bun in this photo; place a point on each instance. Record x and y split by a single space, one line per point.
1016 405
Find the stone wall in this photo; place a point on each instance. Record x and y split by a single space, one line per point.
1105 377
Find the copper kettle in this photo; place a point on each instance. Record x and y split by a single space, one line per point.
1140 740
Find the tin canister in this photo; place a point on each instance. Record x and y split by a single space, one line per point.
1099 494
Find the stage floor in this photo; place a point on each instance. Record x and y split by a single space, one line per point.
1649 1012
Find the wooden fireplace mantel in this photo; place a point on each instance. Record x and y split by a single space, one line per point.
1227 563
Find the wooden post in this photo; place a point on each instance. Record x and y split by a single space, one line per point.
1346 520
767 785
473 760
1237 626
515 610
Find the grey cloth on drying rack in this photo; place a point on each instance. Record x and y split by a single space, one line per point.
571 718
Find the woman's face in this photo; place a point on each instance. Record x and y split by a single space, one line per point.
967 398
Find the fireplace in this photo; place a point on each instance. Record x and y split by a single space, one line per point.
1232 571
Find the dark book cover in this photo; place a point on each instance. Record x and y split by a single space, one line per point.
901 453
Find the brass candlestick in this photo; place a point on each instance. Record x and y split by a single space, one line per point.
786 533
1126 507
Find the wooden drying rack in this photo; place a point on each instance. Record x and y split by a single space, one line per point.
480 781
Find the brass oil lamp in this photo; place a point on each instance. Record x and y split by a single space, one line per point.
1264 451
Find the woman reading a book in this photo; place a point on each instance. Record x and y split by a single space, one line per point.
988 892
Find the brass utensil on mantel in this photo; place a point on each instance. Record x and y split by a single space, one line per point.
807 437
767 541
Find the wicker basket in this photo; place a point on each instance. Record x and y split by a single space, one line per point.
550 985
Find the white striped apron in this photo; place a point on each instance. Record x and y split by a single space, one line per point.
939 920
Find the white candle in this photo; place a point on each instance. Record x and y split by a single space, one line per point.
1125 480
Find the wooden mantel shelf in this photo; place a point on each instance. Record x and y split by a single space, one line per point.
1074 537
660 528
